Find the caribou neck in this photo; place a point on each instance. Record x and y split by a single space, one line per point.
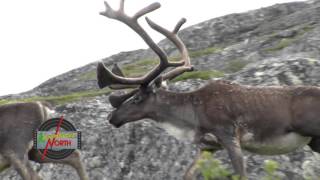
175 108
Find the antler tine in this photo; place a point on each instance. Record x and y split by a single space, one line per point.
179 24
133 24
173 37
147 9
109 12
121 7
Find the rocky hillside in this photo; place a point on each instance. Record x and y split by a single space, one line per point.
277 45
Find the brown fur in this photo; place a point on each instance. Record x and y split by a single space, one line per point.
230 112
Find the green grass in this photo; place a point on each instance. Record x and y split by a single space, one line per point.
140 67
271 167
211 168
60 99
307 28
204 75
199 53
205 52
88 75
283 43
3 167
235 66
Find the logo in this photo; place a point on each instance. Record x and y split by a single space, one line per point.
56 138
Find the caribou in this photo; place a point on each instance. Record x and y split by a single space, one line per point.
221 114
18 121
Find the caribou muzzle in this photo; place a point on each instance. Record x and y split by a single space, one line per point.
115 120
116 100
112 120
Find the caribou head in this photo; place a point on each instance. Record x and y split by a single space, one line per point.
131 107
136 104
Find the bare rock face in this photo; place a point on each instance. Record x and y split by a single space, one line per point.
280 71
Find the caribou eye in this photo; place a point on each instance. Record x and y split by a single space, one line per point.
137 99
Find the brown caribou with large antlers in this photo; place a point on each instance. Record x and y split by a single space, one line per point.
263 120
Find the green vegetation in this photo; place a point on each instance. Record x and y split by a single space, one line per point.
285 42
211 168
205 75
60 99
4 167
199 53
204 52
235 66
140 67
307 28
271 167
88 75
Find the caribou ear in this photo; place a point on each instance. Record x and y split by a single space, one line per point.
158 82
117 98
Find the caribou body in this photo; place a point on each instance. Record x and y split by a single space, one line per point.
18 121
263 120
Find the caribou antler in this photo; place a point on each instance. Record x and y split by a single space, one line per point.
108 78
172 36
104 79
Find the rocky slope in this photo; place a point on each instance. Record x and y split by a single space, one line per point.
144 151
278 45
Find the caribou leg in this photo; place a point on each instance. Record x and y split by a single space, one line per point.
34 175
190 173
206 142
73 160
18 163
236 157
229 140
